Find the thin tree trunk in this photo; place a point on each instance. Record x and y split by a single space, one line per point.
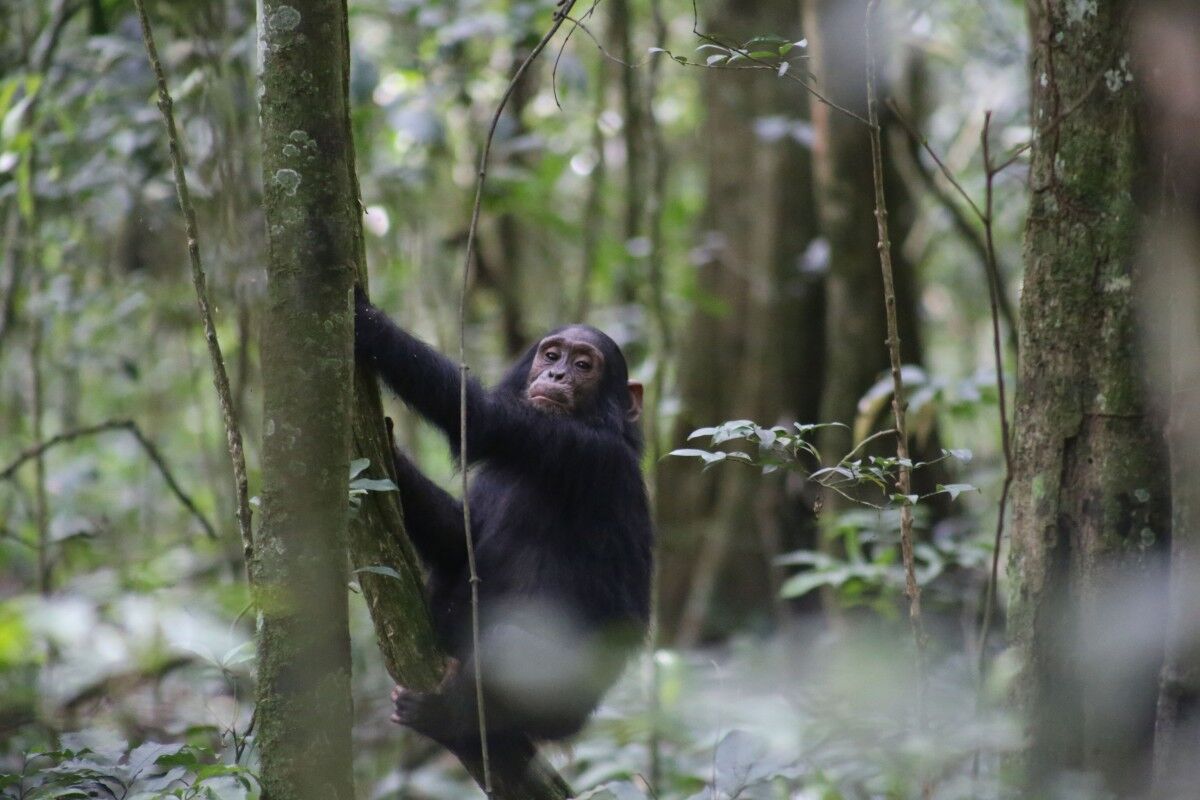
1167 53
312 182
753 347
304 703
633 129
855 327
1091 495
594 216
505 270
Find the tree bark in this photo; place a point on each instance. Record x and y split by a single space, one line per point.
1167 54
621 30
304 702
316 254
1091 497
752 348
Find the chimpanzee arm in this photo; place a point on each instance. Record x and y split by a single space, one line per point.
430 383
422 377
432 518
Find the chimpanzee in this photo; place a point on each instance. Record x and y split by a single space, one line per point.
560 524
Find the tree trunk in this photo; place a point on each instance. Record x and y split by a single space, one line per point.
1168 57
855 324
753 346
621 29
304 704
316 253
504 258
1090 498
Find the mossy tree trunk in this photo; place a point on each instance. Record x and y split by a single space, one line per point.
316 251
300 575
1091 496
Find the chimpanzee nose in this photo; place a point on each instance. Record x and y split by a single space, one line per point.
556 374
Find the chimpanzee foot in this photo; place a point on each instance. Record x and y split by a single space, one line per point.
425 712
407 707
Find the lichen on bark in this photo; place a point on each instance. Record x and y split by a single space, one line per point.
304 704
1091 502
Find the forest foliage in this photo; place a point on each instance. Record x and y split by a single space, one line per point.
695 179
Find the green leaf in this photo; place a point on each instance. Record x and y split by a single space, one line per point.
739 762
810 558
238 655
358 465
734 429
766 437
842 471
380 570
955 489
374 485
805 582
147 754
690 453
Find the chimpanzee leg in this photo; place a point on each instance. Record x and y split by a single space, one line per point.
517 703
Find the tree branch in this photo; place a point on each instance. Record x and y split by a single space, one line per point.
962 223
994 294
233 433
36 451
899 404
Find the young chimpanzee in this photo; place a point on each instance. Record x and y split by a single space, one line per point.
560 523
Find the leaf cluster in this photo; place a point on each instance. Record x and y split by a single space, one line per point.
93 764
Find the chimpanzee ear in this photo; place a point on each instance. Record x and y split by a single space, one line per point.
636 393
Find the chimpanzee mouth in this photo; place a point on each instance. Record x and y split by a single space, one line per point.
548 403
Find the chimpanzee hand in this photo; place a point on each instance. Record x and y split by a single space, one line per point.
360 298
367 322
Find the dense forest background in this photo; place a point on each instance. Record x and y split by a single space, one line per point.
696 179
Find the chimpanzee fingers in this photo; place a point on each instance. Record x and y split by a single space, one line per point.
453 667
405 705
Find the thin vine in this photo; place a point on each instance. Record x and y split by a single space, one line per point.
899 404
233 432
560 16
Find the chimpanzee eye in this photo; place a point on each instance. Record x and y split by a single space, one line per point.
583 365
551 355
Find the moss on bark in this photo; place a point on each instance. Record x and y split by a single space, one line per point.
1090 498
304 704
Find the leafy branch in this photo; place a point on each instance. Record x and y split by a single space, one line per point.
775 448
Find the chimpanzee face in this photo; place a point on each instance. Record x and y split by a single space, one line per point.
566 372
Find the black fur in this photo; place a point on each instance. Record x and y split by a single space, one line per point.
562 535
